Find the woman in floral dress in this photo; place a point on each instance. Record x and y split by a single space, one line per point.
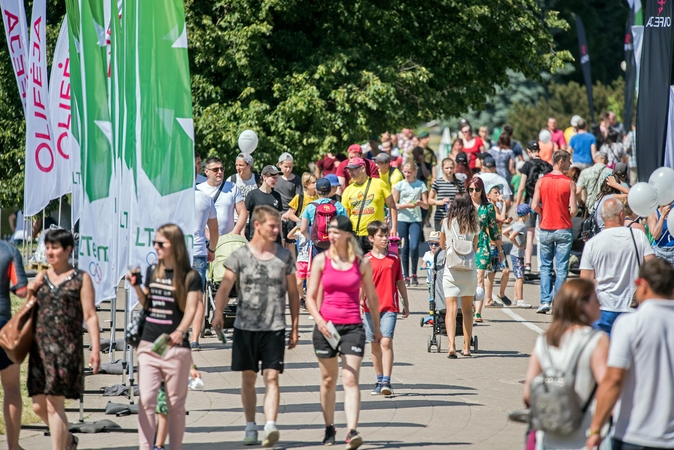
486 220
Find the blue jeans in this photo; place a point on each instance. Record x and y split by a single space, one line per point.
200 264
605 322
620 445
411 232
554 245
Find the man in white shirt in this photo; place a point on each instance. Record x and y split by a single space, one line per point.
203 252
612 259
640 367
227 198
491 178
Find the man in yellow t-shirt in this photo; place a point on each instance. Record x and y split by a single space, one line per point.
378 196
572 130
389 175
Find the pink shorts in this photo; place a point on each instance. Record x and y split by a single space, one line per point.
302 272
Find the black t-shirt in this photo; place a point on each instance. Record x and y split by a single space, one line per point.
288 190
256 198
164 314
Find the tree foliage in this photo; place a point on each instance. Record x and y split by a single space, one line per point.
309 76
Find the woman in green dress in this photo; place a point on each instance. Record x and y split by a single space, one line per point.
488 234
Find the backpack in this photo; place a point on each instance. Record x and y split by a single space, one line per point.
555 405
325 212
459 251
590 226
537 170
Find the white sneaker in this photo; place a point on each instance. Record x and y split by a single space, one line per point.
251 437
271 435
522 304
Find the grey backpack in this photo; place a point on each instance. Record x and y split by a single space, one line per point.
555 405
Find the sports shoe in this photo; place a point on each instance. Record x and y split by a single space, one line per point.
330 433
303 304
195 347
415 281
250 438
543 309
522 304
386 389
353 440
377 389
407 282
271 435
208 332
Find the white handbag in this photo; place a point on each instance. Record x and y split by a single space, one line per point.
460 255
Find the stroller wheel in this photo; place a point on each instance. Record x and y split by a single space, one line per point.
421 324
437 347
429 342
475 344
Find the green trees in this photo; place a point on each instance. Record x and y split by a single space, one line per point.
309 76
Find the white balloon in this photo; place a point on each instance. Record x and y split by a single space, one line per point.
663 182
544 136
643 199
248 141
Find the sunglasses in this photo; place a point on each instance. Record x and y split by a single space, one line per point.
433 244
216 169
474 190
159 244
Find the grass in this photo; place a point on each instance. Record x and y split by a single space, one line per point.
27 415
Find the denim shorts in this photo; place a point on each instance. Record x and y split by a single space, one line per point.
200 264
387 325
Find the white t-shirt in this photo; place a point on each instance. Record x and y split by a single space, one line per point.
428 259
304 248
226 204
204 209
642 343
492 179
245 186
200 179
612 256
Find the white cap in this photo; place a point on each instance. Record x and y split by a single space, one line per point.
395 152
285 156
575 119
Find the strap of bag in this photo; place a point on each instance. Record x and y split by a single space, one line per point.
217 194
362 205
300 204
636 249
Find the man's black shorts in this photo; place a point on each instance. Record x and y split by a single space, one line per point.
250 348
351 342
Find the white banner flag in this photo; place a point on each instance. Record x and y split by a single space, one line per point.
14 20
60 112
42 159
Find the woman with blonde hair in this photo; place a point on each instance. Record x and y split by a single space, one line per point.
571 336
333 299
169 295
410 195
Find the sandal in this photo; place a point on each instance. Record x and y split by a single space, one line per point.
467 355
478 318
452 356
73 443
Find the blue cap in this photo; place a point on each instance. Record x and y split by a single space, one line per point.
332 178
323 186
523 210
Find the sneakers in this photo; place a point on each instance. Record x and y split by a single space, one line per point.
385 389
353 440
250 438
407 282
271 435
377 389
415 282
330 433
303 304
195 347
543 309
522 304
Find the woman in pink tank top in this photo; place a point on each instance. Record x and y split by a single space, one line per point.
333 299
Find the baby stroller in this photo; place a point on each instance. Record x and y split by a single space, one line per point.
439 309
227 244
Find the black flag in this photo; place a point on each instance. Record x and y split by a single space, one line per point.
654 80
630 73
585 62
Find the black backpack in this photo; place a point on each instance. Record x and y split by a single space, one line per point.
590 226
538 168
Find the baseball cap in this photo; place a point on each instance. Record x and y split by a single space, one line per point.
270 170
483 155
494 185
382 158
523 210
355 148
489 161
323 186
423 134
285 156
343 224
620 168
246 158
575 119
355 163
461 158
434 237
601 153
332 178
533 146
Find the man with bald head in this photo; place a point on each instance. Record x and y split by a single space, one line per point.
612 260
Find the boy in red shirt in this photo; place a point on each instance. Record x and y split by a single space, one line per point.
388 280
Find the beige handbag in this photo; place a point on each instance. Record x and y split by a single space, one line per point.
16 336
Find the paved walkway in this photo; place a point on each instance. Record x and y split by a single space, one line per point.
438 403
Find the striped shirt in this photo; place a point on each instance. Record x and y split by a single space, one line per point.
445 189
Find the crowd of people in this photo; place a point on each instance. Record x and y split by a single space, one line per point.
326 241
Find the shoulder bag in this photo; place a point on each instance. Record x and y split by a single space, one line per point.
634 303
459 252
16 336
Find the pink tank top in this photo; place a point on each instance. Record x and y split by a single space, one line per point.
341 303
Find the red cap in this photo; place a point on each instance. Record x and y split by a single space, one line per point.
355 148
355 163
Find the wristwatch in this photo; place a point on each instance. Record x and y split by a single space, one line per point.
591 432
